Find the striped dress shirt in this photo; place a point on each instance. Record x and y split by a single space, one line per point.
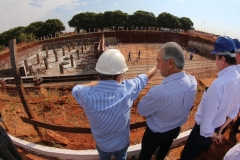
238 68
166 106
107 106
219 101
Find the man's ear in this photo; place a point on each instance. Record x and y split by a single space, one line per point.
119 78
223 59
171 62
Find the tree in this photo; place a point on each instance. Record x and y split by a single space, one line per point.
51 26
75 23
14 33
99 20
168 20
120 18
3 38
185 23
108 19
84 21
143 18
2 47
34 28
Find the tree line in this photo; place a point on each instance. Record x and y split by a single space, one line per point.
91 20
139 18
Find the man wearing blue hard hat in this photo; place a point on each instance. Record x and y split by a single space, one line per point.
235 129
219 104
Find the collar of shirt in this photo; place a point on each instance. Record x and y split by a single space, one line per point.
174 76
110 84
228 69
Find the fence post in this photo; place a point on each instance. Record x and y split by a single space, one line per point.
18 80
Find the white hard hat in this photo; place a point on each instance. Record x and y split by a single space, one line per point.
111 62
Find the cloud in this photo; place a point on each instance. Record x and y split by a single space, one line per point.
22 13
115 4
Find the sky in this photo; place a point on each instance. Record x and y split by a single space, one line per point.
214 16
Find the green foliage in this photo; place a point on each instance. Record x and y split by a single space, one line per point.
35 29
14 33
168 20
51 26
143 18
2 47
186 23
84 21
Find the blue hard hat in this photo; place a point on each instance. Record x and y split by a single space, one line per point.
222 44
237 44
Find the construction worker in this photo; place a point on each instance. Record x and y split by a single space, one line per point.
166 106
129 56
235 129
107 103
219 103
139 53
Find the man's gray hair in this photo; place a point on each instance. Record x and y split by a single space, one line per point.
174 51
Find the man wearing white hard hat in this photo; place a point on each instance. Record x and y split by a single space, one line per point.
219 104
107 103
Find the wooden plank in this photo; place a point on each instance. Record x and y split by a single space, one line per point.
71 129
56 127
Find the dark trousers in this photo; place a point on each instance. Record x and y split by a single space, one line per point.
151 141
236 125
195 144
9 151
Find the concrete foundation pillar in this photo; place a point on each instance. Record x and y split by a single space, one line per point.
38 60
78 54
56 56
46 49
63 50
45 62
69 49
26 64
71 58
61 68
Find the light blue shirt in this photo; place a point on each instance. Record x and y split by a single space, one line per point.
238 68
166 106
220 101
107 106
